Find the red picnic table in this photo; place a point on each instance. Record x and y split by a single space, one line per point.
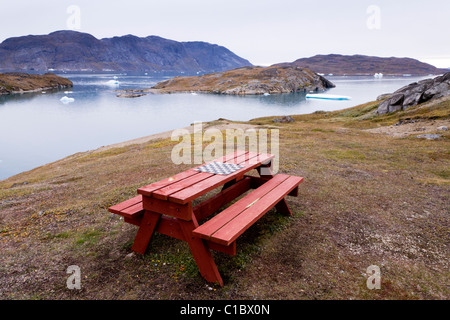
166 206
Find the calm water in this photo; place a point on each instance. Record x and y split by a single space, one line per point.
36 129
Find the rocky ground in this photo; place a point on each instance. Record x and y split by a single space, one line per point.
415 93
16 82
248 80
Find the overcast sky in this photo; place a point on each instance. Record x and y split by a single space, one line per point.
264 32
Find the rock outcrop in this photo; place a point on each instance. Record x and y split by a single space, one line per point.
16 82
248 81
415 93
285 119
77 51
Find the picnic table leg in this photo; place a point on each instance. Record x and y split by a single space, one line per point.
200 251
281 206
146 229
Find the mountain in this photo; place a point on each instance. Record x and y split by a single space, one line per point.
365 65
77 51
248 81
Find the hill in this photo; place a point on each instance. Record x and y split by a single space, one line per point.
16 82
248 80
337 64
77 51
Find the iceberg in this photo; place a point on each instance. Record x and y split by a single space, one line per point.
112 83
327 97
66 99
378 75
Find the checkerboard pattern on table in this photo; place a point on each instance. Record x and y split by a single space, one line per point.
219 168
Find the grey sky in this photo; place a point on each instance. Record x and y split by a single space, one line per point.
264 32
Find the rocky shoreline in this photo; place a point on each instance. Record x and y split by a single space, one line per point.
16 82
414 94
247 81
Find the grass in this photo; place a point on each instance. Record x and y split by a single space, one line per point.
367 199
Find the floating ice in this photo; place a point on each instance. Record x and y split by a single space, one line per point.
266 94
66 92
327 97
66 99
378 75
112 83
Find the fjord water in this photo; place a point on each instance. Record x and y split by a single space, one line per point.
37 128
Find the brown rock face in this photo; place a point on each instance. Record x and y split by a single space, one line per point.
248 81
22 82
415 93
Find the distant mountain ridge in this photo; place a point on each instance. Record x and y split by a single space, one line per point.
337 64
77 51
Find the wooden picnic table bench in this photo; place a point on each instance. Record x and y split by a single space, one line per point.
166 207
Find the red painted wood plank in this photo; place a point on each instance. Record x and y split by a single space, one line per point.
182 211
215 181
133 211
125 204
234 228
244 159
230 249
136 221
207 207
164 192
170 227
149 189
207 229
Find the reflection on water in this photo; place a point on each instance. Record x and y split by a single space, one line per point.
37 128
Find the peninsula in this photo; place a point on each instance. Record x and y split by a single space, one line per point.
248 81
16 82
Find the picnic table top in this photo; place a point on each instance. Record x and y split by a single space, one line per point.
191 184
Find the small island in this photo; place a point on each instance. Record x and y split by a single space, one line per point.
17 82
247 81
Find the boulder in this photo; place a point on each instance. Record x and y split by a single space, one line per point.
130 95
429 136
284 119
414 94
